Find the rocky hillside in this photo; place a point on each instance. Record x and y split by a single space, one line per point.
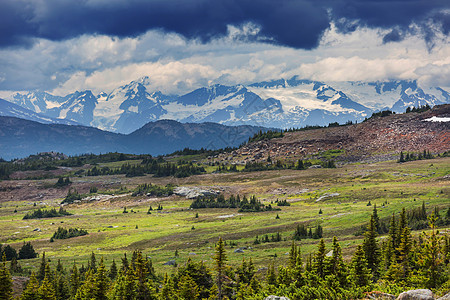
376 138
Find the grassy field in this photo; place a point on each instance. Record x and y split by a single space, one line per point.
342 194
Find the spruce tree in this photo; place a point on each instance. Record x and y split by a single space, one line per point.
74 282
371 248
187 288
167 290
403 251
125 286
220 259
271 276
376 219
5 281
335 265
359 272
101 282
319 260
46 290
31 292
431 256
113 271
41 272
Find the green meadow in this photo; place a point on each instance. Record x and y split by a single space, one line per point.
341 194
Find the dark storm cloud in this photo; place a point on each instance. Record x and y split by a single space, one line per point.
393 36
293 23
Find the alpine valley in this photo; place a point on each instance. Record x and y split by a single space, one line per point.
277 104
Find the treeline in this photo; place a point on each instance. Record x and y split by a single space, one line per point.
25 252
411 156
416 219
153 190
420 109
209 152
149 166
390 265
244 205
265 239
302 232
265 135
44 213
279 165
63 233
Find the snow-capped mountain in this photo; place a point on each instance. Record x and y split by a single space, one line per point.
8 109
278 103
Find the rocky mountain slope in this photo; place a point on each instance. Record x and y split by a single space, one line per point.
377 138
278 103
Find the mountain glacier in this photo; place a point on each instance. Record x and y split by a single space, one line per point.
282 103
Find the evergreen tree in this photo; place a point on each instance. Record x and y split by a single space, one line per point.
5 281
167 290
41 272
47 291
125 286
187 288
359 272
74 282
319 260
113 270
93 263
271 276
371 248
403 256
376 219
101 282
220 259
61 288
31 292
431 258
27 251
335 265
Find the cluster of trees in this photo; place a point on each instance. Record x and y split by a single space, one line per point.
265 135
149 166
63 233
44 213
302 232
265 239
282 202
279 165
25 252
63 182
244 205
416 218
396 262
419 109
414 156
72 195
153 190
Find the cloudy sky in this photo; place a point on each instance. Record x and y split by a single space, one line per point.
61 46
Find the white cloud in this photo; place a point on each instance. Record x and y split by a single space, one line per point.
177 65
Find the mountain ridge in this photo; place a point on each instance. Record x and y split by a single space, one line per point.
282 103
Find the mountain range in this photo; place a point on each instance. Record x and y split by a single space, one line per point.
277 103
20 138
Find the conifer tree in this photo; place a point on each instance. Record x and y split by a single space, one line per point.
61 288
113 271
319 260
187 288
431 258
220 259
101 282
297 272
403 251
359 272
292 256
125 286
5 281
271 276
167 290
74 282
93 263
336 265
41 273
371 249
31 292
376 219
46 290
